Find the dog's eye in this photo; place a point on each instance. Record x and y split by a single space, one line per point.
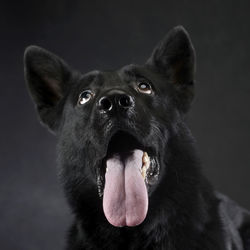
84 97
144 88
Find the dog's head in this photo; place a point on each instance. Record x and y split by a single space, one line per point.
114 126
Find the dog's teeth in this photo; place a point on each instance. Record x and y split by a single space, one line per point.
145 165
145 157
143 171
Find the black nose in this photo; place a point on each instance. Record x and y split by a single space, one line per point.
115 99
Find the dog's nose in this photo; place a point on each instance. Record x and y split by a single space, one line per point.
105 104
114 99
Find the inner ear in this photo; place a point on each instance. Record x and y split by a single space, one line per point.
45 74
47 78
55 90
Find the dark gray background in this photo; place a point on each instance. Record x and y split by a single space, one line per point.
105 35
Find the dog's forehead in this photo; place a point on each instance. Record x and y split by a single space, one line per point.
128 71
109 78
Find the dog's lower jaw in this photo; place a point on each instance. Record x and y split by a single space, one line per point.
131 192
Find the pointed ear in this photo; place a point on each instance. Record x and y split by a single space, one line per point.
46 76
174 57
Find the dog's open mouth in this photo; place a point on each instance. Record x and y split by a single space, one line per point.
127 173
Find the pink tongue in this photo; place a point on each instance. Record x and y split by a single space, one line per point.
125 198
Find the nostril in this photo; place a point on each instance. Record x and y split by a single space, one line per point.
105 104
125 101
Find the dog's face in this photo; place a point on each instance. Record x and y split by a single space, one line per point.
114 126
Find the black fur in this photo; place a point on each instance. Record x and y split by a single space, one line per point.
184 211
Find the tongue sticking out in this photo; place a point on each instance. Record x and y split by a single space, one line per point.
125 198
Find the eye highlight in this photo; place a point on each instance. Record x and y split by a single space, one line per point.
144 87
85 96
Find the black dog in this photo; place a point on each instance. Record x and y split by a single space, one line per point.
127 159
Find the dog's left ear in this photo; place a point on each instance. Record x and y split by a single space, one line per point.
174 57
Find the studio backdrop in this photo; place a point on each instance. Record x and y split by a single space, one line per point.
106 35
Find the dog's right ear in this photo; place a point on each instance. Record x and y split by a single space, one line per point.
46 76
174 57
